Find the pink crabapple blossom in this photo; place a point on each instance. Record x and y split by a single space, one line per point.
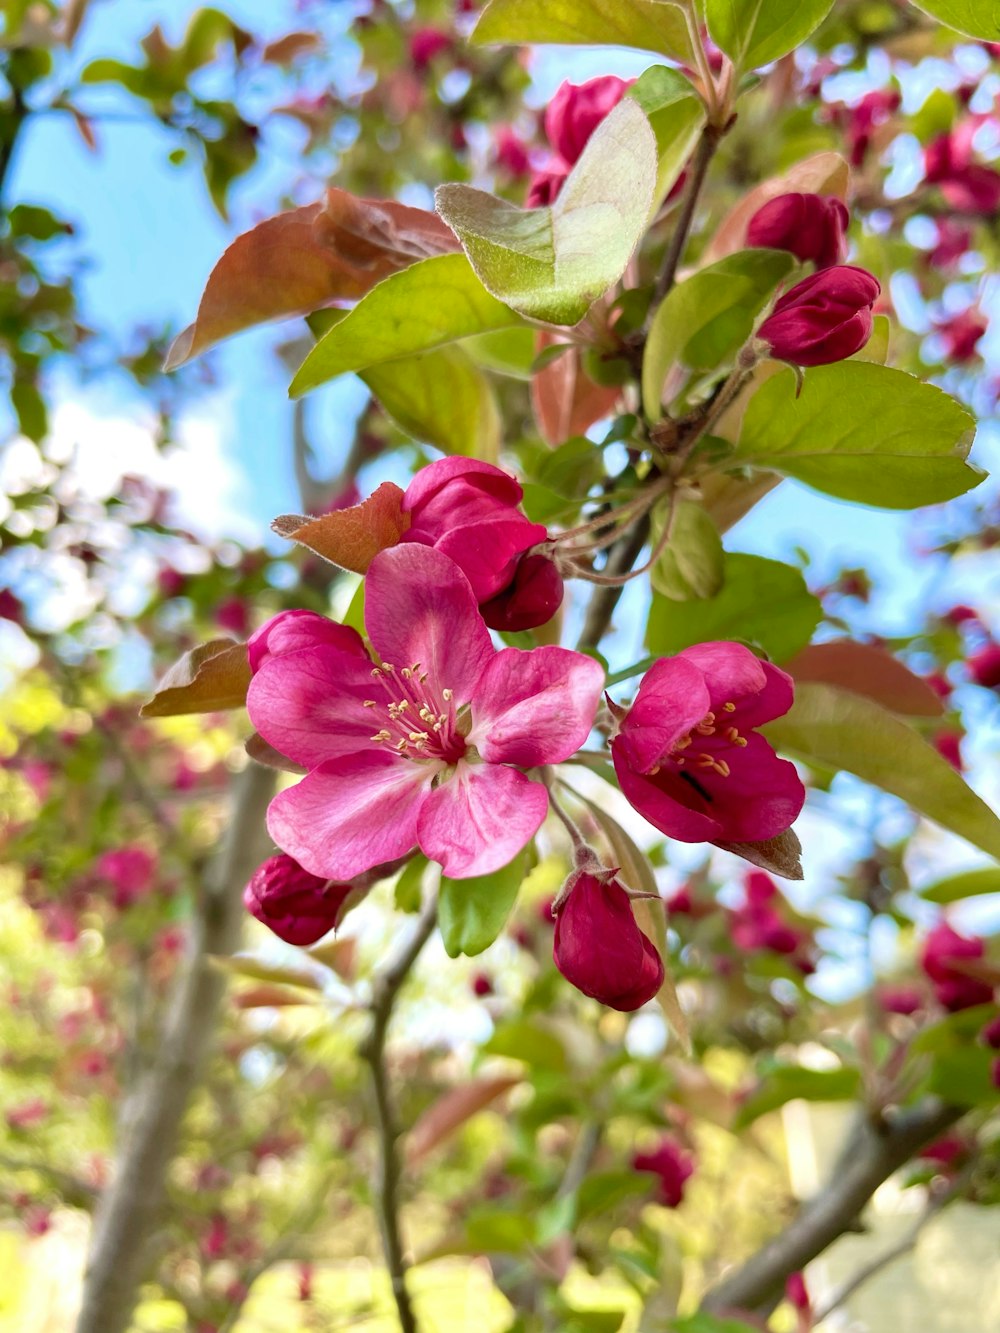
298 907
811 226
672 1166
570 119
599 948
945 958
425 746
824 318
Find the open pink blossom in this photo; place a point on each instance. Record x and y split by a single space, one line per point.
599 948
426 747
945 959
757 924
672 1166
688 758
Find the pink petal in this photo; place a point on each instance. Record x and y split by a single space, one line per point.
429 480
300 628
762 796
731 670
674 814
774 700
351 814
480 818
536 706
672 698
309 704
420 607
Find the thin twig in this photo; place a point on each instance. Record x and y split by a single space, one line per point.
603 601
703 154
386 988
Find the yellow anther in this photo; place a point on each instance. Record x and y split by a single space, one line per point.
683 743
741 742
382 735
447 695
370 703
418 736
656 768
732 735
722 768
730 708
376 671
406 673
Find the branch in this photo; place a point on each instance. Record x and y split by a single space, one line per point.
604 598
387 987
873 1152
152 1115
711 136
79 1193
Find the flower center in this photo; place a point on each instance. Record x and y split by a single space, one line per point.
700 748
416 720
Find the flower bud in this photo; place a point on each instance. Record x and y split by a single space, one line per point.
532 597
810 226
299 907
944 953
577 109
671 1165
984 665
960 334
290 630
822 319
599 948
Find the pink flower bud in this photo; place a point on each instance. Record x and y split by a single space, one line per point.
511 152
129 870
171 582
945 1152
532 597
672 1166
944 953
576 110
796 1293
290 630
949 746
482 986
546 184
299 907
960 615
990 1034
232 615
984 665
599 948
426 43
822 319
811 226
960 334
11 607
903 1000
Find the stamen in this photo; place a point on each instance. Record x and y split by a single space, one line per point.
369 703
447 695
382 735
729 708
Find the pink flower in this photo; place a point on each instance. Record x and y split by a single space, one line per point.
482 986
904 1000
232 615
599 948
11 607
28 1114
290 630
299 907
824 318
672 1166
427 748
960 615
129 870
170 582
944 953
688 758
945 1152
940 684
511 152
469 510
953 241
426 43
797 1294
966 185
811 226
949 746
984 665
758 927
960 334
571 118
546 183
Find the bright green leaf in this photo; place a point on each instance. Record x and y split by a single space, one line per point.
709 1323
786 1083
761 601
553 263
708 317
520 1039
472 912
862 432
976 18
755 32
965 1076
838 730
970 884
408 893
648 25
440 397
693 561
424 306
677 114
507 351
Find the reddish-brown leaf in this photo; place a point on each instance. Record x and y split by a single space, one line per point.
779 856
266 755
565 400
866 669
308 258
271 997
451 1111
212 676
351 538
288 48
340 955
823 173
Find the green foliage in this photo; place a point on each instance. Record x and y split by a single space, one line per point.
441 397
755 32
677 115
649 25
553 263
976 18
862 432
472 912
786 1083
761 601
693 561
970 884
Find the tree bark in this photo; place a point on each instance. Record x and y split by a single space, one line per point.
152 1117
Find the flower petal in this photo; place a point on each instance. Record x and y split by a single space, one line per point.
351 814
480 818
672 698
734 674
762 796
536 706
666 801
309 704
430 479
420 607
300 628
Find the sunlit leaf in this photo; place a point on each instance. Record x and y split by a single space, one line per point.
212 676
755 32
976 18
350 538
648 25
472 912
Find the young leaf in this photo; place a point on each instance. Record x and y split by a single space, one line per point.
862 432
212 676
762 601
565 400
305 259
451 1111
676 114
693 562
839 730
707 318
443 398
787 1083
970 884
553 263
647 25
350 538
867 669
472 912
755 32
429 304
976 18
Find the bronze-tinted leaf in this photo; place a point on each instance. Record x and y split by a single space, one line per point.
865 668
452 1110
779 856
565 400
262 753
308 258
212 676
351 538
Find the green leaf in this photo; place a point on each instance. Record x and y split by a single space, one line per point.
677 114
440 397
520 1039
603 1190
707 318
761 601
408 893
693 562
971 884
837 729
553 263
506 351
424 306
472 912
648 25
786 1083
965 1076
708 1323
976 18
862 432
755 32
